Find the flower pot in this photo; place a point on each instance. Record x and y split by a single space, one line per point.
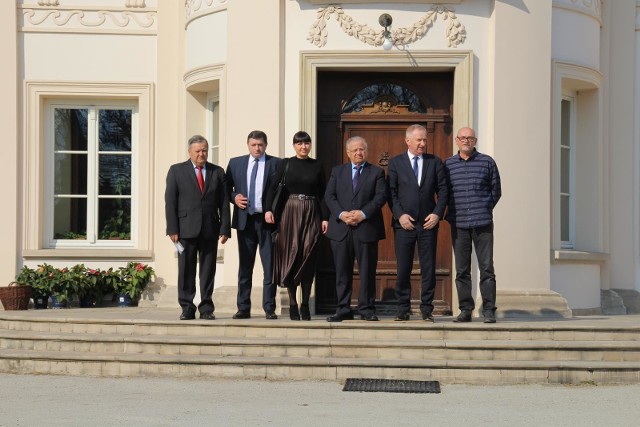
58 304
87 302
126 301
40 302
15 296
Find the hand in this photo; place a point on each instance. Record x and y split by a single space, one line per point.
325 225
356 217
346 217
240 201
268 217
174 238
431 221
406 222
223 239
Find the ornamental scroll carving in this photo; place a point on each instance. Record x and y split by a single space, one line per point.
194 6
92 19
318 32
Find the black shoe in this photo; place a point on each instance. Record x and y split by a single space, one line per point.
340 317
428 317
489 317
463 317
402 317
294 313
188 315
242 315
207 316
370 317
271 315
305 314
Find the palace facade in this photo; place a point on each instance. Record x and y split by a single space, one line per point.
100 97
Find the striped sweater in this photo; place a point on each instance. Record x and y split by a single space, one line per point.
474 190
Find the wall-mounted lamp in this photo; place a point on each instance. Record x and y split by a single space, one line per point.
385 20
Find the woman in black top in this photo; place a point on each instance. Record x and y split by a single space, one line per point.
303 221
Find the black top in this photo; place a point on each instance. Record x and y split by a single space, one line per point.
304 176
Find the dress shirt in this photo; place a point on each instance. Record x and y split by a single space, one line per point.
259 180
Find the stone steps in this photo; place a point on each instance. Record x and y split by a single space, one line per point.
85 343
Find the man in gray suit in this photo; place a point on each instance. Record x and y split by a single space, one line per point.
197 214
355 195
248 178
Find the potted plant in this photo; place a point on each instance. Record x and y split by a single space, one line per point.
134 278
40 280
65 283
89 287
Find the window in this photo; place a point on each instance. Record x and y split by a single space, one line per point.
90 175
567 161
214 130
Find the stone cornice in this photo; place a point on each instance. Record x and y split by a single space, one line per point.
131 18
318 32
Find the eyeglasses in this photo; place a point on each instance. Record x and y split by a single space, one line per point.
467 138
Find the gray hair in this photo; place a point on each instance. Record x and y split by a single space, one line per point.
197 138
411 128
356 138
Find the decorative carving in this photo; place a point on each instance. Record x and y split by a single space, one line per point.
589 7
48 3
384 159
193 6
134 3
89 19
456 32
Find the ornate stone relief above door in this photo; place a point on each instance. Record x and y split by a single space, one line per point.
318 33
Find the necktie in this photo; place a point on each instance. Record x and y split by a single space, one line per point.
356 176
200 178
415 167
252 188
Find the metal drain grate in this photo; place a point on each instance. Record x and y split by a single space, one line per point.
391 386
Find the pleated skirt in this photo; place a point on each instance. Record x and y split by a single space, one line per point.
296 243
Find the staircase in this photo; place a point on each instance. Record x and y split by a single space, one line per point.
148 342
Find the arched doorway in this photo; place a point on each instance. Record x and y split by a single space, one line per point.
379 106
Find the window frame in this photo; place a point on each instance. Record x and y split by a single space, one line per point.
37 95
92 171
569 96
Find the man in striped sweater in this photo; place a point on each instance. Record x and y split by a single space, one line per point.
474 191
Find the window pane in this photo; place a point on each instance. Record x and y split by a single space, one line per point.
115 174
565 123
70 218
115 130
114 219
70 174
70 129
565 170
564 218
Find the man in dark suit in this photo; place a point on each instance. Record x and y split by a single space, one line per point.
248 178
355 195
197 213
418 197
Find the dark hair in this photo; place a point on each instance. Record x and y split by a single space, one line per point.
259 135
301 136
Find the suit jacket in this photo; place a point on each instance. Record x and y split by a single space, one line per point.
369 197
190 212
236 177
407 197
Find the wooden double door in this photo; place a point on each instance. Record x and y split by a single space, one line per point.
379 107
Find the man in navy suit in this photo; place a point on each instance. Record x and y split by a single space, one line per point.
418 197
197 214
248 178
355 195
